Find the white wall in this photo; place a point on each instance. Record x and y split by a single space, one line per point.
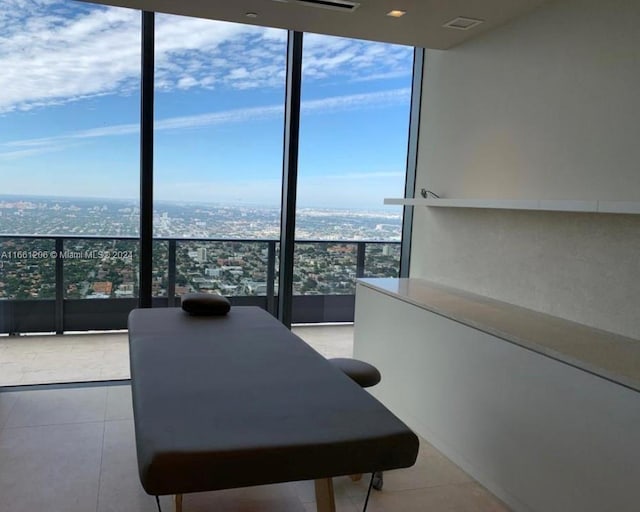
547 107
542 435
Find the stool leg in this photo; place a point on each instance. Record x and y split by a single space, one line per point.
178 503
325 501
378 481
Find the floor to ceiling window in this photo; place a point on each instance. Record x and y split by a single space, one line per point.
219 107
69 159
353 152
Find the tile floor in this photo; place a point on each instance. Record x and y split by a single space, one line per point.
66 358
72 450
105 356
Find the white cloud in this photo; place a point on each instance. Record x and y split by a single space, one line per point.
238 73
54 52
186 82
327 56
362 175
47 58
381 99
378 99
36 150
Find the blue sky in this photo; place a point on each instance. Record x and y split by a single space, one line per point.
69 109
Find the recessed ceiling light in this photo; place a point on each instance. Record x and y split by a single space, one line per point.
396 13
462 23
251 14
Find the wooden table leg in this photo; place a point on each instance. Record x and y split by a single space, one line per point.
177 501
324 495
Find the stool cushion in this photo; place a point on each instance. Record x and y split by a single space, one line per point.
363 373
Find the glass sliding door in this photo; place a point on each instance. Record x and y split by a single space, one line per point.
69 158
70 168
353 153
219 110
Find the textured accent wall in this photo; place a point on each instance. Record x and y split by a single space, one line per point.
579 266
543 108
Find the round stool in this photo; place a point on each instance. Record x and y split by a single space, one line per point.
366 375
360 372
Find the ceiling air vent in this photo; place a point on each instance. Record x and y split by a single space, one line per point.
335 5
462 23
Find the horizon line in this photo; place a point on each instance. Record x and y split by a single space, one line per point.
192 202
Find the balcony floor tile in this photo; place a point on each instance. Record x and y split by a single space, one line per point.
46 359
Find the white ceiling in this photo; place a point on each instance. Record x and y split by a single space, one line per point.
421 26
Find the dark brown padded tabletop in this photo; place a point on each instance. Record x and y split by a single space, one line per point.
238 400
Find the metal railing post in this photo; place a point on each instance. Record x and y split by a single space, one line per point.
362 247
171 277
271 278
59 282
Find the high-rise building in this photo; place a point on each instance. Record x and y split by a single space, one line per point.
201 254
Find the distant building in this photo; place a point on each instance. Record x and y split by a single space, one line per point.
203 282
341 249
253 288
201 254
102 288
98 296
182 290
124 290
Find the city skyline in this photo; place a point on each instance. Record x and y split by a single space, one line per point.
74 216
69 113
217 248
384 209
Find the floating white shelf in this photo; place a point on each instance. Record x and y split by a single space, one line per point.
525 204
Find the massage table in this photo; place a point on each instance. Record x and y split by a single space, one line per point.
238 400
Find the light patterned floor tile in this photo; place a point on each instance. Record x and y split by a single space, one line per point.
8 400
468 497
119 405
428 471
52 468
58 406
120 488
11 373
269 498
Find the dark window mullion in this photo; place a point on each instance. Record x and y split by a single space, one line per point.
146 160
289 175
412 159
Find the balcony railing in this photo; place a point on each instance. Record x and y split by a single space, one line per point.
80 283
